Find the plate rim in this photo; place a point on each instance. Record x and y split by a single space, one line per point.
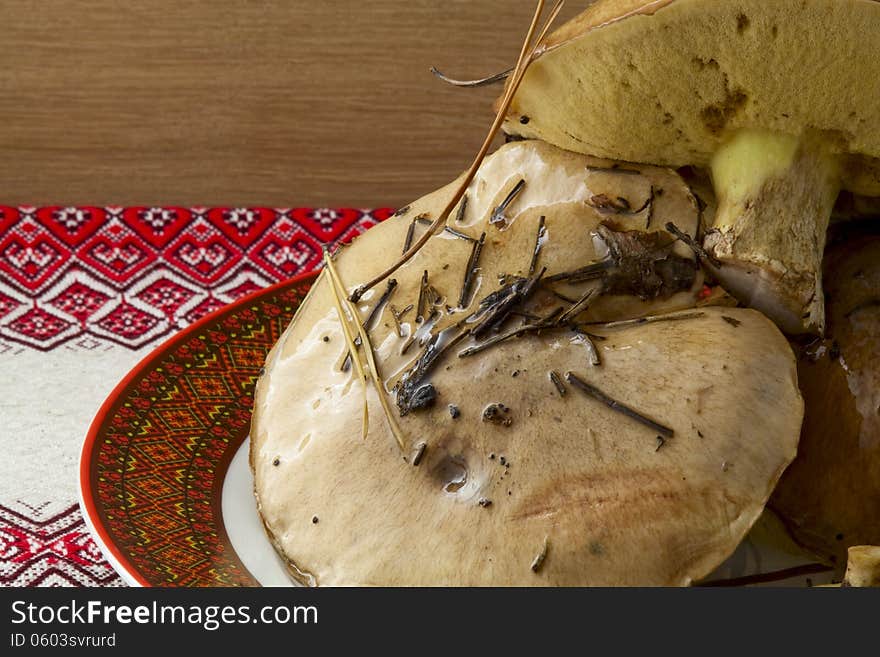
87 500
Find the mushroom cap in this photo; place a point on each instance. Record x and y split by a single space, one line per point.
590 489
830 496
664 81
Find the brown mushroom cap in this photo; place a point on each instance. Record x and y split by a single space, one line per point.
830 495
559 490
664 81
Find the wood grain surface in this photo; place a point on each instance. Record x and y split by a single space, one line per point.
245 102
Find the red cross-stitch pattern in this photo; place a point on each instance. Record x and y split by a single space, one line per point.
87 277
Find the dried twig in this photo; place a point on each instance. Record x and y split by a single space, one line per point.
482 82
371 318
578 306
472 264
498 217
556 381
462 208
368 352
615 405
692 243
539 243
527 54
650 319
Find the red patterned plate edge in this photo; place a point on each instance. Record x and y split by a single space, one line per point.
90 501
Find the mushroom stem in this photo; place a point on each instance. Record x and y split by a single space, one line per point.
775 195
863 566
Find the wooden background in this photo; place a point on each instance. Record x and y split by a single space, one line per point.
245 102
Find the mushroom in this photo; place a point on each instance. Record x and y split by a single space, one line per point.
863 566
593 223
584 451
829 497
769 96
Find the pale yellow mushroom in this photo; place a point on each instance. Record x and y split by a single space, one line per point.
863 566
774 98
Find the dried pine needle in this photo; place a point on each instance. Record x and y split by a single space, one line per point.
482 82
648 319
339 290
346 330
529 51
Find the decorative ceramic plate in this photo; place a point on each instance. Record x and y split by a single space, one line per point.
157 457
165 483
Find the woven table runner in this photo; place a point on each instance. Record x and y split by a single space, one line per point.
85 293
